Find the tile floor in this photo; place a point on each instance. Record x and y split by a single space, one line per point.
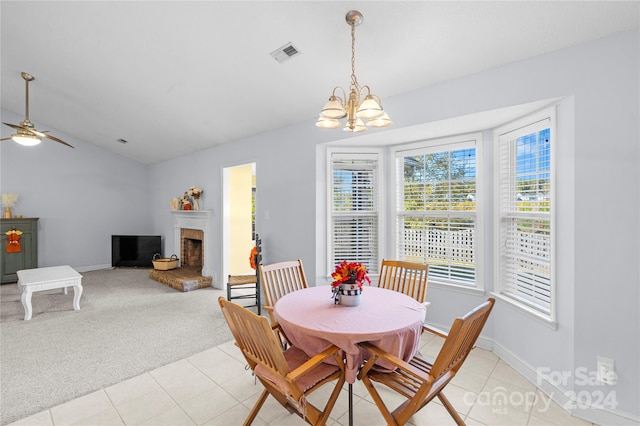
215 388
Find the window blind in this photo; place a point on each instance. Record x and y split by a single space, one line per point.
524 176
354 212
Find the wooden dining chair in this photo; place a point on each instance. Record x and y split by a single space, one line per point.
281 278
409 278
289 376
420 379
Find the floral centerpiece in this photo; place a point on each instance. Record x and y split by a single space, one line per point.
175 203
349 277
195 192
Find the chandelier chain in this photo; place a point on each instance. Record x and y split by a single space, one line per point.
354 80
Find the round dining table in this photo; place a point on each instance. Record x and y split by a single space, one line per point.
388 319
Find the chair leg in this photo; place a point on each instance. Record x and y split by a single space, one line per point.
332 400
254 411
450 409
382 407
258 295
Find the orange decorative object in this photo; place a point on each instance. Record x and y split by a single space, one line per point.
13 245
350 273
252 257
186 207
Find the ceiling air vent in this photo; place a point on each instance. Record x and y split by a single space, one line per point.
284 53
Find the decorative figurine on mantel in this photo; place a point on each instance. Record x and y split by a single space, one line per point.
195 192
186 203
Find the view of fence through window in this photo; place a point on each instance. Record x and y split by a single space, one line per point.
437 213
525 198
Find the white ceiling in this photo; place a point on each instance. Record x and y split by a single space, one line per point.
174 77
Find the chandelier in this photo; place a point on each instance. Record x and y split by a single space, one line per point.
361 106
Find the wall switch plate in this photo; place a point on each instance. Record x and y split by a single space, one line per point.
605 371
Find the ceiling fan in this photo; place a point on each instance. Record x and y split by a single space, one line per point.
27 133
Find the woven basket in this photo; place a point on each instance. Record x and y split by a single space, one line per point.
165 264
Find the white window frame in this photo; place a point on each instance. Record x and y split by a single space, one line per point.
357 154
505 134
437 145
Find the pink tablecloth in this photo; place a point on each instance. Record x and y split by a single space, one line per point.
385 318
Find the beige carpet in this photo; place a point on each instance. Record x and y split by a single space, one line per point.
127 324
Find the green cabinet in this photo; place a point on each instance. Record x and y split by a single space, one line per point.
27 257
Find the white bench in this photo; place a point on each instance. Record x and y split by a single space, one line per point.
40 279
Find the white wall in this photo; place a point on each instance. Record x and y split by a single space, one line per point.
82 196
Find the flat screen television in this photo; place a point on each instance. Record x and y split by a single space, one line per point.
134 251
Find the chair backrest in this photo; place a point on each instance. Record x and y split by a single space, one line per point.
255 338
409 278
461 339
281 278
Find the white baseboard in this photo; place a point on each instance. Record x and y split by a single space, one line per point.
92 268
565 398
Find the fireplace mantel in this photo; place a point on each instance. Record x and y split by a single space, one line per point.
196 219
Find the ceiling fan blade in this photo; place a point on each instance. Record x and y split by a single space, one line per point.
15 126
38 134
53 138
5 139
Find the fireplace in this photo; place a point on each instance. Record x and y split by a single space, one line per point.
191 247
192 243
192 238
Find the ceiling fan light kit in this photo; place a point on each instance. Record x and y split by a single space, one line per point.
359 114
27 134
26 139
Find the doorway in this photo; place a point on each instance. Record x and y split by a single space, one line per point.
238 228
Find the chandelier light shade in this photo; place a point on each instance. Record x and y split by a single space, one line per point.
361 108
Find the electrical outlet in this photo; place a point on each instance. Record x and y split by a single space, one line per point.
605 371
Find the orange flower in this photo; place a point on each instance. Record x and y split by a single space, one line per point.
350 273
